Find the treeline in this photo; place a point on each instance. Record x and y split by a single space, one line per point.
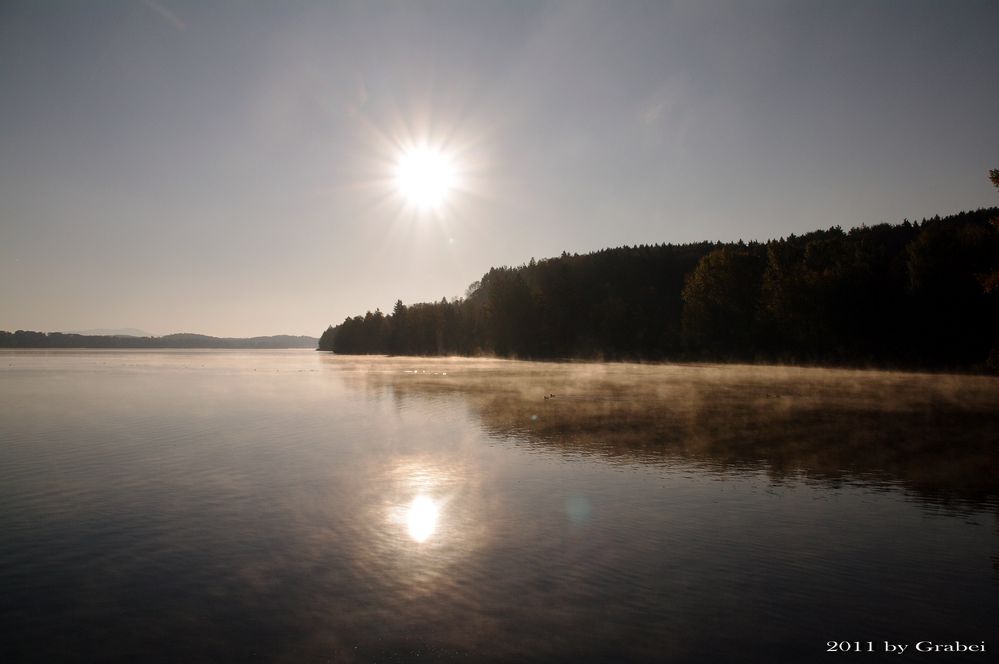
922 294
28 339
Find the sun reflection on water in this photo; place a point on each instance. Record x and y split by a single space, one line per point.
421 518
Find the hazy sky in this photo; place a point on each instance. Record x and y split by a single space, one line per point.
227 167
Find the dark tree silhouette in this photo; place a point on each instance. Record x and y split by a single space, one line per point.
720 303
907 295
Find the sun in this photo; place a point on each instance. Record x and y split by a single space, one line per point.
425 176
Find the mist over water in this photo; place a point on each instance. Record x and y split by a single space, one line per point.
296 506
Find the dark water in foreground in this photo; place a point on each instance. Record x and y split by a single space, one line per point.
292 506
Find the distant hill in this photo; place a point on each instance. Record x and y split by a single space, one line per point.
114 332
27 339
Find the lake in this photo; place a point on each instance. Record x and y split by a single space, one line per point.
295 506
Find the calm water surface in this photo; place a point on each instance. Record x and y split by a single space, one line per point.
294 506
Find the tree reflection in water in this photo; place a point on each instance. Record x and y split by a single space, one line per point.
935 435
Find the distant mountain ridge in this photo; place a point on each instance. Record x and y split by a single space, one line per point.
29 339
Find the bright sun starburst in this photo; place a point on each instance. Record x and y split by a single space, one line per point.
424 176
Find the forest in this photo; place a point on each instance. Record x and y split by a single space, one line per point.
908 295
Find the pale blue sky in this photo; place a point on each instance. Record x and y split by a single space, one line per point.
225 167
